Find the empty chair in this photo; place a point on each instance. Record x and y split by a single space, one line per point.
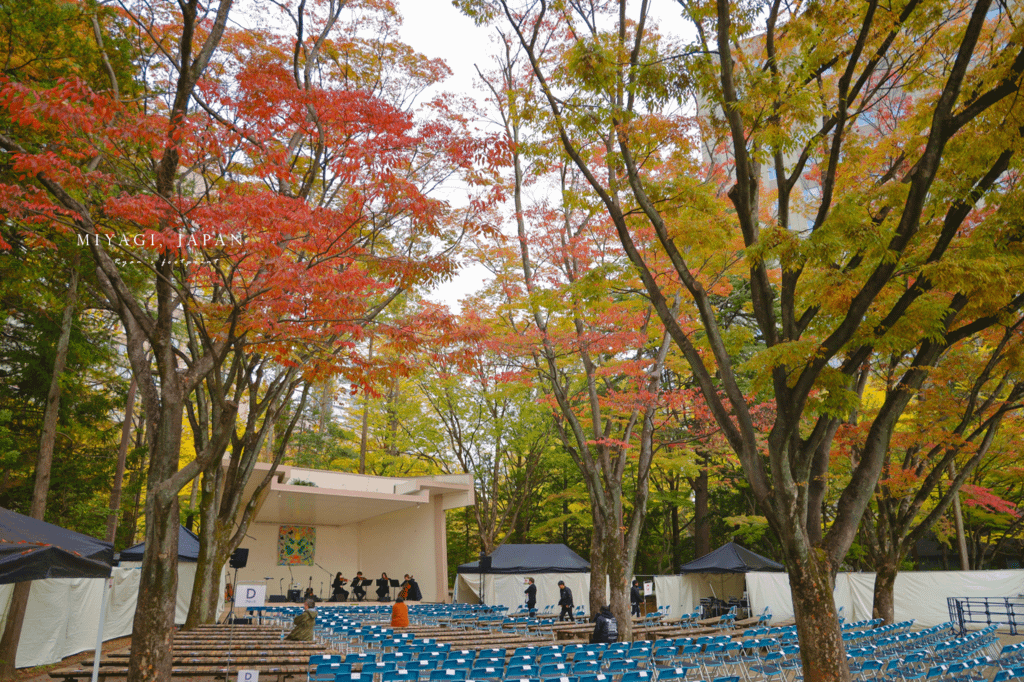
638 676
448 675
678 673
316 659
600 677
326 672
400 658
521 671
424 665
488 673
399 676
552 671
621 665
586 667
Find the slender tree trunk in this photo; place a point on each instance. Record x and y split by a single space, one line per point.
885 592
702 521
958 518
19 600
598 571
364 431
153 626
205 597
122 459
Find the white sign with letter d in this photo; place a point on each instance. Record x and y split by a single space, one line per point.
250 595
248 676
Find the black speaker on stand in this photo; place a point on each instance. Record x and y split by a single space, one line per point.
239 558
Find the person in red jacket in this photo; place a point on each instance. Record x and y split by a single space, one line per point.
399 614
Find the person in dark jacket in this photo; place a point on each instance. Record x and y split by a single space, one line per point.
384 588
635 598
565 601
531 596
358 589
338 591
606 629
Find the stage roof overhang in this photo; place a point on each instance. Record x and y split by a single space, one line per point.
340 499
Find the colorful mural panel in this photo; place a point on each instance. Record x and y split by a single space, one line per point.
296 545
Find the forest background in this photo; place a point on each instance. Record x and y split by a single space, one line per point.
762 283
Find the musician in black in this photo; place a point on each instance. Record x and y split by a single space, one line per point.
338 589
411 588
383 588
358 589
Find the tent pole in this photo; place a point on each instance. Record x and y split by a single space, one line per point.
99 633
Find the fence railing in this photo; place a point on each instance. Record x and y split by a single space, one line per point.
986 610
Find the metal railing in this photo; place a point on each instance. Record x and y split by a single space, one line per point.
986 610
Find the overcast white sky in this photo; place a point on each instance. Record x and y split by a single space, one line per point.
437 29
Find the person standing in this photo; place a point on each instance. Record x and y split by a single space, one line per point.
635 597
565 601
531 596
606 629
304 624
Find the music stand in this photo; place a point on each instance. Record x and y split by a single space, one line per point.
394 584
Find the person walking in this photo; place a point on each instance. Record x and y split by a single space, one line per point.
565 601
531 596
635 598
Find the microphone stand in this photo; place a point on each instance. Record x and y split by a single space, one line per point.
321 584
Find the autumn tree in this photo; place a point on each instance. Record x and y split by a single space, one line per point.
346 94
224 224
563 306
869 158
936 447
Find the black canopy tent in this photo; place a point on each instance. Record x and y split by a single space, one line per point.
503 581
724 568
188 548
31 549
539 558
35 550
731 558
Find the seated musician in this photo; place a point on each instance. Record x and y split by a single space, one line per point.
358 591
411 589
384 587
339 593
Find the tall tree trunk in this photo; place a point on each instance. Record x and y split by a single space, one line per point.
19 600
122 459
210 563
821 644
885 592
